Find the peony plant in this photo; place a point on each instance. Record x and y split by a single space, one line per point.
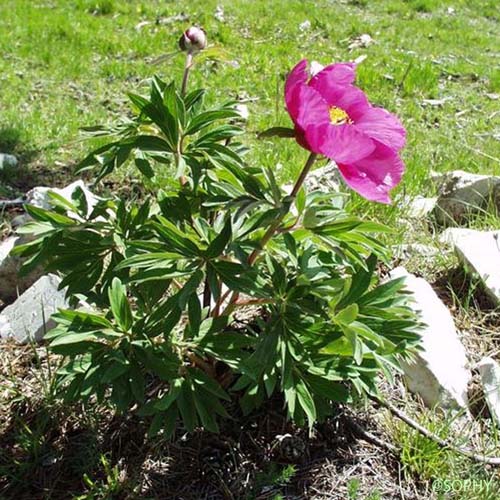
217 285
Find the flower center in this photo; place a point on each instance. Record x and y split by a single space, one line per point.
338 116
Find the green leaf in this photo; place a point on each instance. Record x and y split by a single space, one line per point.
74 338
360 282
300 200
306 401
328 389
201 379
152 260
143 165
170 421
357 345
80 200
347 315
208 117
138 101
41 214
137 383
193 98
338 347
205 412
277 132
58 200
81 319
218 245
194 313
120 306
186 405
166 401
190 287
114 371
175 237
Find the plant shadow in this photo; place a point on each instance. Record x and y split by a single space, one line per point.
29 171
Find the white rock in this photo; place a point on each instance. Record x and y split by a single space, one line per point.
489 370
452 234
6 246
419 207
461 193
436 102
480 252
219 14
407 250
305 26
39 196
439 373
326 179
242 110
11 284
7 162
362 41
28 318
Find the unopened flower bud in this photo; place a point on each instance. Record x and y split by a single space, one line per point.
193 39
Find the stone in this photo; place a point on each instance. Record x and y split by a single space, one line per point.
489 370
242 110
219 14
480 252
7 162
11 285
420 207
29 317
462 193
407 250
327 180
305 26
439 373
361 42
39 196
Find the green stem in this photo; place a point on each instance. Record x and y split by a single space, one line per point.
276 224
187 67
271 231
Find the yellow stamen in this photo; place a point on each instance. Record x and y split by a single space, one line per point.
339 116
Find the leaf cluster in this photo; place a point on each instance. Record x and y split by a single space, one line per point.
159 283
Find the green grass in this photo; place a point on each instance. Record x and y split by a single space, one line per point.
67 64
443 471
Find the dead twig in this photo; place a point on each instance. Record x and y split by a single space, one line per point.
18 202
371 438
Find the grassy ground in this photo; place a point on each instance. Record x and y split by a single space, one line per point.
66 64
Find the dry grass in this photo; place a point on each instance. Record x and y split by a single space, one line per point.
47 448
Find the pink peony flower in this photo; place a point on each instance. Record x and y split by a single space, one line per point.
332 117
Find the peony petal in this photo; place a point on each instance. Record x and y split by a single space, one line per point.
351 99
334 74
298 76
307 107
383 126
374 176
341 143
